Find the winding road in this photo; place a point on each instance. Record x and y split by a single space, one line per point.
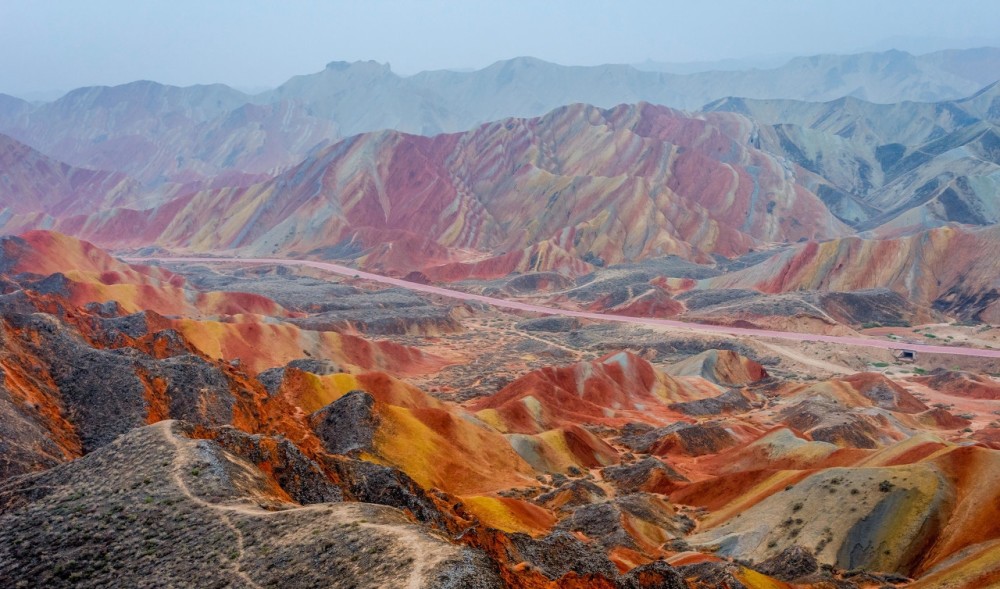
543 310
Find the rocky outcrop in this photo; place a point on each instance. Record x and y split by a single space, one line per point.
110 392
572 494
655 574
348 425
649 474
728 402
537 281
562 553
426 321
300 477
635 521
689 439
384 485
828 422
791 564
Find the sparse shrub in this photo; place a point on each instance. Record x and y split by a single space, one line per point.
885 486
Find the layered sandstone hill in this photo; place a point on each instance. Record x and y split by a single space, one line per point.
952 269
579 187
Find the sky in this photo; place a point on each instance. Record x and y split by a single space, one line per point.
48 46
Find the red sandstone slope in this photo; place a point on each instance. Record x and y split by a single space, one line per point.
222 325
48 252
953 267
609 185
85 273
962 384
618 388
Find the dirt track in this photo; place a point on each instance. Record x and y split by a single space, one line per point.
648 321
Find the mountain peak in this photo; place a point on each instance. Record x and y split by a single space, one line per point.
520 63
369 66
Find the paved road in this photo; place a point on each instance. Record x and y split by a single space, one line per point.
648 321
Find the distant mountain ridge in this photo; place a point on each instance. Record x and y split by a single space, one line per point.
189 134
35 185
901 166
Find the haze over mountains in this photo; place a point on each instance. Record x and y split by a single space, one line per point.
202 125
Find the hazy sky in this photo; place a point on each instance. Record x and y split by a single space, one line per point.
48 45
